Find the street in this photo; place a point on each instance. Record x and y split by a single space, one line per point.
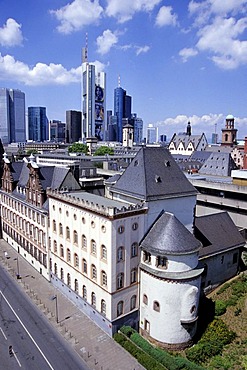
27 339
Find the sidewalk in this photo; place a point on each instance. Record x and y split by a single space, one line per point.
98 350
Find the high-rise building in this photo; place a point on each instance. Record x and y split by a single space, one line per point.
37 124
12 116
73 126
122 109
93 99
57 131
152 134
137 123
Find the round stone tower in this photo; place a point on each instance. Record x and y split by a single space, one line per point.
169 283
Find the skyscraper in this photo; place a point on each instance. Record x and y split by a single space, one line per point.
57 131
37 124
122 109
93 99
73 126
12 116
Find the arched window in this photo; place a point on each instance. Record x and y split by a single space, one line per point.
60 229
120 306
55 268
84 292
93 247
68 280
134 250
161 262
103 252
84 242
67 233
55 246
68 255
54 226
145 299
120 280
62 274
133 276
146 257
120 254
133 302
103 307
103 278
156 306
75 237
61 251
93 299
93 272
76 260
84 266
76 285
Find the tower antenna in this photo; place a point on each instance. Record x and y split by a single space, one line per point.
84 51
119 84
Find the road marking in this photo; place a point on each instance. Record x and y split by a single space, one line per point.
48 363
3 333
16 359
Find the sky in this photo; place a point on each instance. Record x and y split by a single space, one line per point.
180 60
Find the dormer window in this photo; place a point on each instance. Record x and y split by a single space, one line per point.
146 257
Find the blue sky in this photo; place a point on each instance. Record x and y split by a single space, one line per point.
179 60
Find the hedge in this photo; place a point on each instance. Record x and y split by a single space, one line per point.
160 355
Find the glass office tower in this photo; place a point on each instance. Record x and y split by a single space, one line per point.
37 124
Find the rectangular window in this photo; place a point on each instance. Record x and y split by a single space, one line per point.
235 258
146 326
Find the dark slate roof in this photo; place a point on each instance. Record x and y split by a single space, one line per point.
168 235
218 163
16 168
199 155
52 176
186 140
153 174
218 233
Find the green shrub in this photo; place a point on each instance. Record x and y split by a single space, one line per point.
119 338
212 342
127 330
220 307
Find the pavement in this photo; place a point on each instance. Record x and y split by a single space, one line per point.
98 350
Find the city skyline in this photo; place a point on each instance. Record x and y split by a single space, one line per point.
179 62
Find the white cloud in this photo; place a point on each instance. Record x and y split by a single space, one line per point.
142 49
165 17
220 38
187 53
220 29
74 16
40 74
10 33
125 10
106 41
199 124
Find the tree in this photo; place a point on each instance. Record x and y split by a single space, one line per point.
103 150
31 151
78 148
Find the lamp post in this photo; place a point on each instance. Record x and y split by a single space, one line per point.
18 276
54 298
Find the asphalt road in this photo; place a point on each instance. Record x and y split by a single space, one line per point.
35 343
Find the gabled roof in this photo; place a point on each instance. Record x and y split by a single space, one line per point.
153 174
50 176
220 164
218 233
186 140
168 235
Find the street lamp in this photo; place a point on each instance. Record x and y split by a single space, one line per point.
55 298
18 276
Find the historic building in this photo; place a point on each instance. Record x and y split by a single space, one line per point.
25 208
185 143
105 252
